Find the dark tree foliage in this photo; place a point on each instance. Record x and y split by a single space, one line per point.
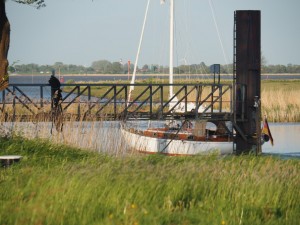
36 3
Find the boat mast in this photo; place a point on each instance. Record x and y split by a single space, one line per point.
138 53
171 47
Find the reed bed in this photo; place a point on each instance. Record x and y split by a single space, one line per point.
99 136
55 184
280 101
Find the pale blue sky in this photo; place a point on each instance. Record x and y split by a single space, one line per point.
80 32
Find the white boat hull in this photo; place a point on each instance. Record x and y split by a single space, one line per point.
150 145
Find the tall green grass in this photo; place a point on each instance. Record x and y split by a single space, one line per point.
55 184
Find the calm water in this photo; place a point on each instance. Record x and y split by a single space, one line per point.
286 139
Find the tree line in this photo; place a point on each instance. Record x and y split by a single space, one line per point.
107 67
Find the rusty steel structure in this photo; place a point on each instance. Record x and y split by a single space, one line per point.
247 80
150 103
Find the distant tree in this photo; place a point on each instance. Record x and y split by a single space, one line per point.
145 68
58 64
181 69
154 68
226 69
116 68
58 67
102 66
263 62
125 68
203 68
163 69
5 37
293 68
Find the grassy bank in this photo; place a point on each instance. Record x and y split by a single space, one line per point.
55 184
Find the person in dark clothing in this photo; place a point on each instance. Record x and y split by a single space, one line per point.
56 97
55 89
54 83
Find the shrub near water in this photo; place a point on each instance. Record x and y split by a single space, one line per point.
54 184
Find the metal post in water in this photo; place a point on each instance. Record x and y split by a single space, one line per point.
248 77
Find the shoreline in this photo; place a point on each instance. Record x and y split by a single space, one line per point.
146 75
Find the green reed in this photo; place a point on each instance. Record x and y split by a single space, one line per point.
55 184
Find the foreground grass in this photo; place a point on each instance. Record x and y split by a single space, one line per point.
61 185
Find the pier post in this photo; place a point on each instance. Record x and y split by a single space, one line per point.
247 63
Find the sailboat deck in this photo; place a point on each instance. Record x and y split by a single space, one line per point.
212 116
178 134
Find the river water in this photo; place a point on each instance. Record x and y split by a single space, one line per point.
286 139
286 135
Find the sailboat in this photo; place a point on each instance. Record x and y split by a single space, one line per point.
187 138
